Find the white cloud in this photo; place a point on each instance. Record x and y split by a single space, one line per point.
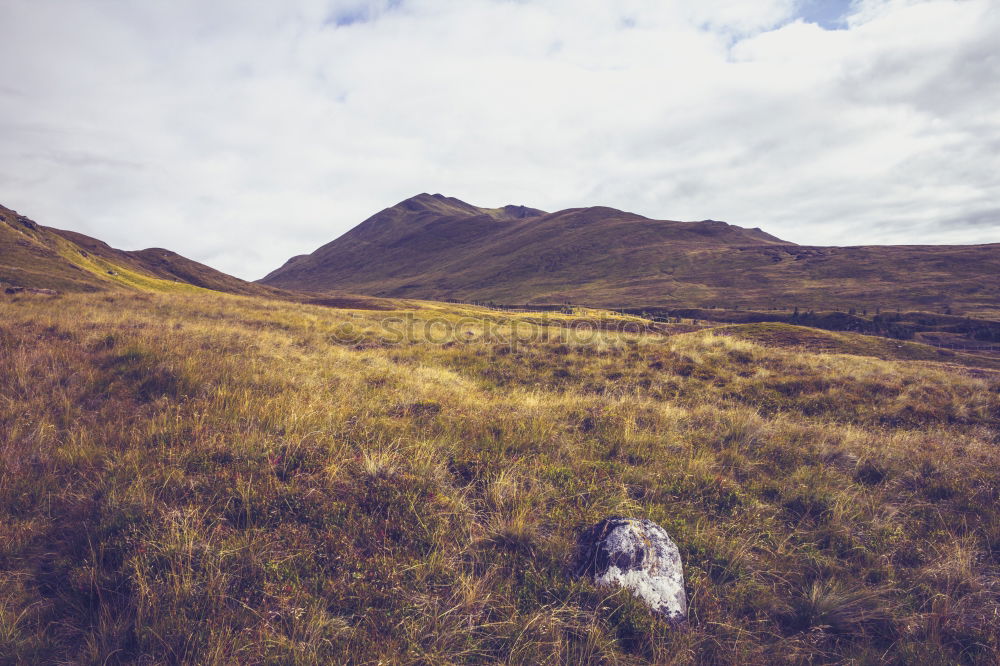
239 133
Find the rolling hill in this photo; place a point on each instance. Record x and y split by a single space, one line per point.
38 257
437 247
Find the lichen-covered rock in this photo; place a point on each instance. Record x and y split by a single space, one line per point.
636 554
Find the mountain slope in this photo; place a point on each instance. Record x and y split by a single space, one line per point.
431 246
35 256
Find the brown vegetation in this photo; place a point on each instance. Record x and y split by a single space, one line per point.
203 478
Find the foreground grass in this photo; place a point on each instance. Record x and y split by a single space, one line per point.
210 479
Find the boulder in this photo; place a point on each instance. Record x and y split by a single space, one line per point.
636 554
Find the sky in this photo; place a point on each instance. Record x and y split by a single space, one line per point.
242 132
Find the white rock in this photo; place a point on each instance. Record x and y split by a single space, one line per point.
636 554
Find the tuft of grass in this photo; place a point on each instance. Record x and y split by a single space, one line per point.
835 607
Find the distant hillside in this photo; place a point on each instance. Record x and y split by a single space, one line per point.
815 340
436 247
34 256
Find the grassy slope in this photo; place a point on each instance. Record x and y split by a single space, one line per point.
215 479
434 247
36 256
813 339
27 260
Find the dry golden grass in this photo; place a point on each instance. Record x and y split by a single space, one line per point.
212 479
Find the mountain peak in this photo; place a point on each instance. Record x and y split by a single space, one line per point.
444 205
520 212
436 203
440 246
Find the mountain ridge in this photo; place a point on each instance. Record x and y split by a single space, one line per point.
441 248
37 256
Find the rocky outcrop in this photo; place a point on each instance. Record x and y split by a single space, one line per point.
636 554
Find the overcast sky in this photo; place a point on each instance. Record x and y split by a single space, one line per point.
242 132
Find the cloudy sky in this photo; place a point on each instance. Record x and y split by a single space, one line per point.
242 132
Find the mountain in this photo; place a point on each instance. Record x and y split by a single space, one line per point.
437 247
39 257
